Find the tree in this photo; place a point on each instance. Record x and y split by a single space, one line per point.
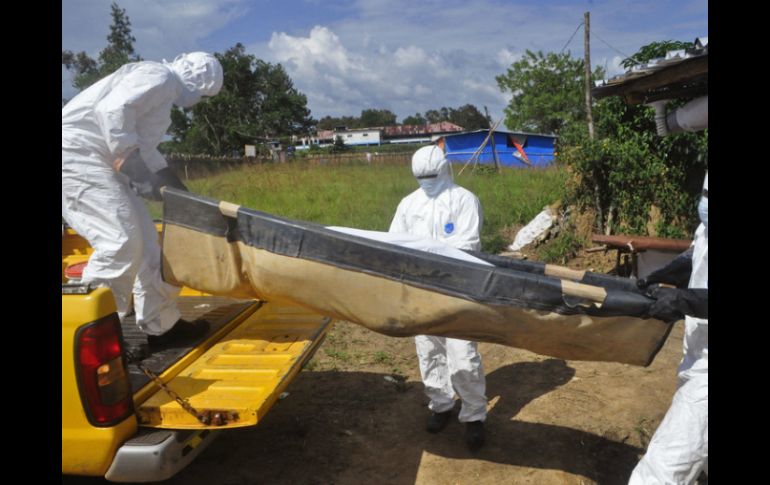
377 117
283 108
653 51
119 51
437 116
258 102
330 123
628 168
417 119
547 92
469 117
339 145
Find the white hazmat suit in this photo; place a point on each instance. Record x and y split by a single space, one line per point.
441 210
678 450
129 109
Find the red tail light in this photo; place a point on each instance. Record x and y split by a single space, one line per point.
104 385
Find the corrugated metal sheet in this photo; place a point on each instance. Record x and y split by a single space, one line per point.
682 72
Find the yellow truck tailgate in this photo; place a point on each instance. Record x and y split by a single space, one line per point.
243 374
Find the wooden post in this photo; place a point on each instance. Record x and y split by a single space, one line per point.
492 135
587 49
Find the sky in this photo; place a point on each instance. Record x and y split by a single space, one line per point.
407 56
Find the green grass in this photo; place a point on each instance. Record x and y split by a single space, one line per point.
559 250
381 357
339 355
385 148
365 197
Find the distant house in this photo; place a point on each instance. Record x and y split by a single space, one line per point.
511 148
379 135
353 137
362 136
321 138
418 133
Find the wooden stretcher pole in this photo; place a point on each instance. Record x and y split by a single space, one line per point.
228 209
564 272
593 293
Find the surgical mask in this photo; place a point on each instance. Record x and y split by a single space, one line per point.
703 209
432 186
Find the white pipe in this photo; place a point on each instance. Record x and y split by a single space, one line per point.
660 116
693 116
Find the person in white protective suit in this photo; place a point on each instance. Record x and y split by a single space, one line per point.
110 134
441 210
678 451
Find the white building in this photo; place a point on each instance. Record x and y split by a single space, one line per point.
363 136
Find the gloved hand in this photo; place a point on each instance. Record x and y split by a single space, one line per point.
140 179
672 304
676 273
167 178
146 190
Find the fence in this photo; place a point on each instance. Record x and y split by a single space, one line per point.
193 167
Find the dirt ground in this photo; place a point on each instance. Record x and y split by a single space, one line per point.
357 415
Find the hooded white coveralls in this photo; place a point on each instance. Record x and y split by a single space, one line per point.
679 449
126 110
441 210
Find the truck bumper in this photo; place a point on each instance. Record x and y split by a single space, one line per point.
157 454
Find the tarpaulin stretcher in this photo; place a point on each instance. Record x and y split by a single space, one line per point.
229 250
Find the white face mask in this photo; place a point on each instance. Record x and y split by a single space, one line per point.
432 186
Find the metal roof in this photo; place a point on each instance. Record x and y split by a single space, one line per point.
426 129
680 73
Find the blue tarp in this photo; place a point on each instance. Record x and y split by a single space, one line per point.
539 148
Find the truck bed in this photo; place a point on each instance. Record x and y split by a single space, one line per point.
251 353
218 311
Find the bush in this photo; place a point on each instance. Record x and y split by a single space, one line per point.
629 168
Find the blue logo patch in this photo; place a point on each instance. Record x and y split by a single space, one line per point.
449 227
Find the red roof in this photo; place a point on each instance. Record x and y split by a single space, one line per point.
427 129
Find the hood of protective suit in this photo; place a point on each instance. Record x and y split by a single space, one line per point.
431 169
703 206
200 72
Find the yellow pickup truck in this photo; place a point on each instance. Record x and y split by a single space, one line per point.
146 420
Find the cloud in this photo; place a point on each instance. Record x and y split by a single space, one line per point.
505 58
162 29
405 79
401 55
320 48
412 56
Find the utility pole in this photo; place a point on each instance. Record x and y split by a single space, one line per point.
590 118
587 49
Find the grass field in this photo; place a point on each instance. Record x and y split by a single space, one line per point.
365 197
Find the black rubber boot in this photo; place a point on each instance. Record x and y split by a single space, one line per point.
182 332
474 435
438 421
135 352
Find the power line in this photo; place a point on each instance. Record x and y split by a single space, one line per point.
570 39
616 50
